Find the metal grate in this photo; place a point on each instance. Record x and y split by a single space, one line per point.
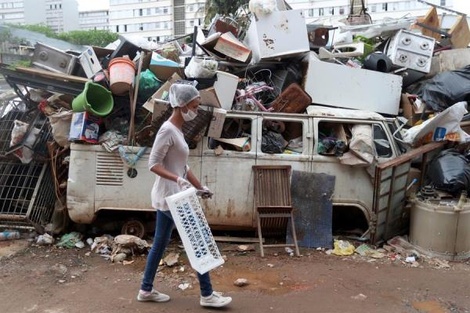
109 169
38 123
27 194
194 130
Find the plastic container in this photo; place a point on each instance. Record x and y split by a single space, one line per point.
94 99
194 231
121 75
441 228
9 235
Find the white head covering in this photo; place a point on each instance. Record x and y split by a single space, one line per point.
182 94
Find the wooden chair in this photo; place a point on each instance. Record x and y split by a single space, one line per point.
273 204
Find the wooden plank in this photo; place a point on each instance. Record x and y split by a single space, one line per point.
460 33
236 239
431 19
52 75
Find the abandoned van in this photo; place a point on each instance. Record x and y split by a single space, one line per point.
358 153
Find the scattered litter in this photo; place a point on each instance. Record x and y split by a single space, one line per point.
45 240
289 251
342 247
360 297
69 240
171 259
241 282
184 286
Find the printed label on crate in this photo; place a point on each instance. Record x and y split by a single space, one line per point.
194 231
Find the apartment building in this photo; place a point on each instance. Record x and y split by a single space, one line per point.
12 11
60 15
94 19
379 10
156 20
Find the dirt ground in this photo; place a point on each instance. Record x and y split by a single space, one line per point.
48 279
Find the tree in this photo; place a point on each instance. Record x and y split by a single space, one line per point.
38 28
98 38
222 7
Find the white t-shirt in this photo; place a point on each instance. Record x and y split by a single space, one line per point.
171 151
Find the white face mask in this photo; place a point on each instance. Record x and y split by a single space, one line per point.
188 116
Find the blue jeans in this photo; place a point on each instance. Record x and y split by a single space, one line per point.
161 240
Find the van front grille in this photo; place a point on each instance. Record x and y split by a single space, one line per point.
109 169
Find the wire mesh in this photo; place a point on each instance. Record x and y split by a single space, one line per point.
27 194
37 124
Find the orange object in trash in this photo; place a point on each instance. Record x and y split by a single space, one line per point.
121 75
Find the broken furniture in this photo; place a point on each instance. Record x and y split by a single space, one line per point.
458 35
273 204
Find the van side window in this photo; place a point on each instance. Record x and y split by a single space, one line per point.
382 145
236 135
333 138
282 137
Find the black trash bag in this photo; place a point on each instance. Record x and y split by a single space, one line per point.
450 171
446 89
272 142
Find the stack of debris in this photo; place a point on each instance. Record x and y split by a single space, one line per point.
265 60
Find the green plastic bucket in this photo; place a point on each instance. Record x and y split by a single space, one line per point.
95 99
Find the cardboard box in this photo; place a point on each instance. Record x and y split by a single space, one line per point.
222 94
276 35
227 45
217 124
412 110
209 97
161 93
85 127
164 68
352 88
90 62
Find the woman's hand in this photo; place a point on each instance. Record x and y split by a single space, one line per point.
205 193
183 183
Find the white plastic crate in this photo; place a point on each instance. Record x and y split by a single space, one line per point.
194 231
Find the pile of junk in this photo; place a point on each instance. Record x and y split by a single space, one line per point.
409 69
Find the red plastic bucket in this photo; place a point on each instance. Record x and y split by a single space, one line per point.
121 75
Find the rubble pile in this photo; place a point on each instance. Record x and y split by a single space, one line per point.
266 60
271 62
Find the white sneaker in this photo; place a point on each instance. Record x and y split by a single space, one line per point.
215 300
153 295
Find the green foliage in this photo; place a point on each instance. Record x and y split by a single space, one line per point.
39 28
98 38
222 7
5 35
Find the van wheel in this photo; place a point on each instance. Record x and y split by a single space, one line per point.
133 227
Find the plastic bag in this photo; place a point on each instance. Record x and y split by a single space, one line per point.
148 84
129 157
450 171
446 89
201 68
272 142
444 126
60 123
19 131
262 7
342 247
